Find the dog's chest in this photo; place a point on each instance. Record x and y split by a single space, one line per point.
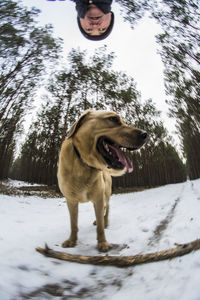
92 189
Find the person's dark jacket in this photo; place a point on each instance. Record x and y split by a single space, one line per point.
82 6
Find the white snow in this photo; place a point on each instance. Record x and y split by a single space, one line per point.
29 222
17 183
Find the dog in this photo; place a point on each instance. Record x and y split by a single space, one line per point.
93 152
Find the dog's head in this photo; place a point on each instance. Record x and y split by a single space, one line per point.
102 138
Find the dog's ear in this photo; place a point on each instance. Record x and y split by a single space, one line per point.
77 124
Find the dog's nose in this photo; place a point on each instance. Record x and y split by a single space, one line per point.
143 134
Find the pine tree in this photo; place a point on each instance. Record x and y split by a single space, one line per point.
180 44
179 50
25 51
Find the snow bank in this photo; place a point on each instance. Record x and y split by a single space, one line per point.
140 222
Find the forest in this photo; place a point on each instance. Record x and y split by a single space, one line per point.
29 52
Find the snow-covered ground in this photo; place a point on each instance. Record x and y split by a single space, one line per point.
140 222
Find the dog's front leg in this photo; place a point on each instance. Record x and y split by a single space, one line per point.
73 211
99 212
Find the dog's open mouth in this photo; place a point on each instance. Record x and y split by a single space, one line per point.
114 155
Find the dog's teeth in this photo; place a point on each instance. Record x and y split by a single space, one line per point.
106 147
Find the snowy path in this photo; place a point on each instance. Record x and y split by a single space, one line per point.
140 222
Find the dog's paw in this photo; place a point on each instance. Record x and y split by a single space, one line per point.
103 246
68 244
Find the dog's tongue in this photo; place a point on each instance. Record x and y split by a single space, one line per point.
125 161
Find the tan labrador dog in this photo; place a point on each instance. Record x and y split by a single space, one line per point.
91 154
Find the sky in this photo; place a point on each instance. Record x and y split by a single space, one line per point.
136 50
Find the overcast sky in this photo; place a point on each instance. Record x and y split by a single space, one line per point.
135 50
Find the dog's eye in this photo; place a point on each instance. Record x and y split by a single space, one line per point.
115 120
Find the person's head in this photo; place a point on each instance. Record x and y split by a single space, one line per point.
96 25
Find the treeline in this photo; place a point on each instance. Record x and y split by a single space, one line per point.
179 49
27 51
92 84
180 53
